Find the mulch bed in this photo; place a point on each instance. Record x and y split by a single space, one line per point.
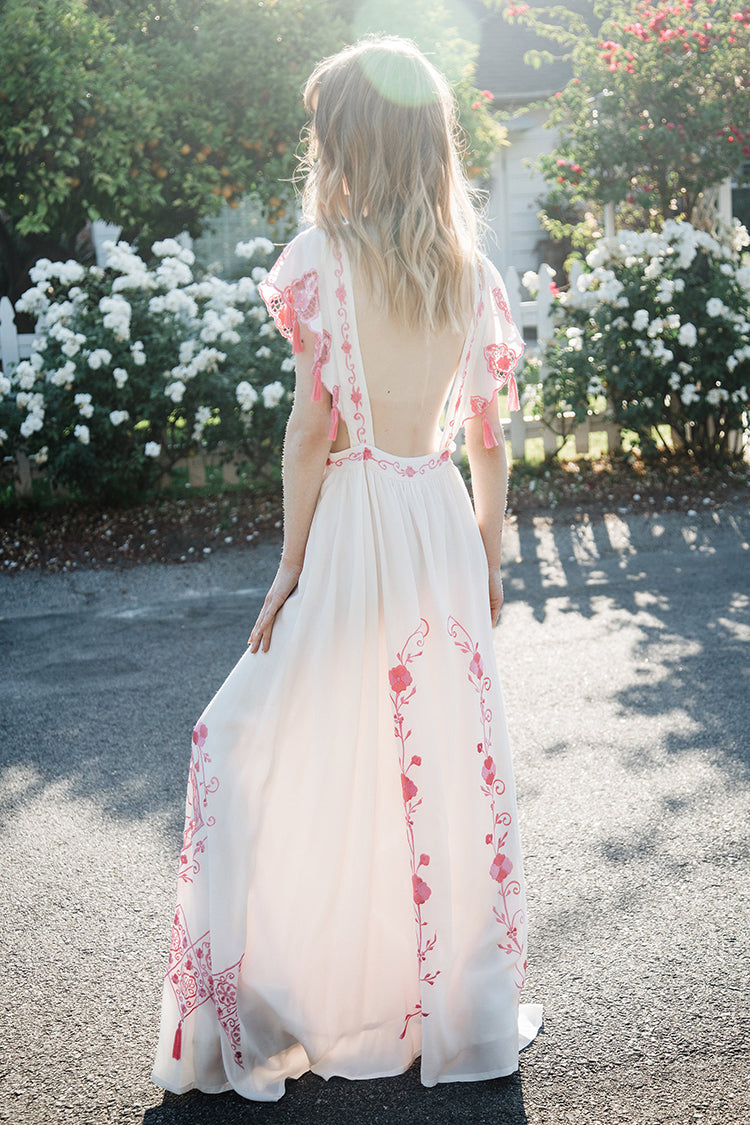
181 529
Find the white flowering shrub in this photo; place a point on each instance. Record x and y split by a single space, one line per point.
136 365
659 327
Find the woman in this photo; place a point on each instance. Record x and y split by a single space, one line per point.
350 887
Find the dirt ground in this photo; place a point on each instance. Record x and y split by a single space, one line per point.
184 528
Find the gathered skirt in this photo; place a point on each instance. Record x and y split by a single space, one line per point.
350 888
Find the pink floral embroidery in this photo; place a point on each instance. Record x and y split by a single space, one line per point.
454 413
346 345
193 982
502 304
196 802
402 691
298 301
507 914
389 463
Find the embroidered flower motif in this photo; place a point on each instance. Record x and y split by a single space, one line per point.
193 982
501 357
508 911
408 787
400 678
200 734
367 454
421 891
502 304
501 867
402 690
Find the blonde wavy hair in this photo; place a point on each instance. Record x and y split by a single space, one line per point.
384 176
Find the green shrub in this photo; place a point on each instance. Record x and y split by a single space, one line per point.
658 328
137 366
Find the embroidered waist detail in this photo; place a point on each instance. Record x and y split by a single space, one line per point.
389 462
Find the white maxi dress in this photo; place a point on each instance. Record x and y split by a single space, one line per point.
350 888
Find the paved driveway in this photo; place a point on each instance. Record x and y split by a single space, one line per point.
624 649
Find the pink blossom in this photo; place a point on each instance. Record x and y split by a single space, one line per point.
424 860
488 771
400 678
200 734
408 788
476 667
421 891
501 867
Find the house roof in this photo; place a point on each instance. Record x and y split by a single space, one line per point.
500 67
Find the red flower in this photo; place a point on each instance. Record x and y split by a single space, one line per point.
501 867
408 788
200 734
488 771
367 454
424 860
476 667
400 676
416 760
421 891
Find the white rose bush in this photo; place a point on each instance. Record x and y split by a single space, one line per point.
137 365
658 327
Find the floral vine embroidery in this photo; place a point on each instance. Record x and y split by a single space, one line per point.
507 914
346 346
455 416
383 461
193 982
502 304
196 803
402 691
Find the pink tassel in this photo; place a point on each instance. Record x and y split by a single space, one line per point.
285 318
513 403
489 438
317 387
296 338
177 1046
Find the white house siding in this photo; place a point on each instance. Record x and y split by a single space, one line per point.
515 190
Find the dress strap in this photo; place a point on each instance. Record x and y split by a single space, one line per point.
353 403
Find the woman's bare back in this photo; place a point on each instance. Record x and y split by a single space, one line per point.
408 375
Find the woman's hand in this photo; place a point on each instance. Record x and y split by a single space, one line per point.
496 593
282 586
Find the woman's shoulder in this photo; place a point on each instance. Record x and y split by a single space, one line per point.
307 244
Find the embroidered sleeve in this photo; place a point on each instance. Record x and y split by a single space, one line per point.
497 351
291 293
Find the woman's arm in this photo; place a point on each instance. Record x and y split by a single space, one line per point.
489 483
306 449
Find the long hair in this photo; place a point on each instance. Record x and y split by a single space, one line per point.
384 175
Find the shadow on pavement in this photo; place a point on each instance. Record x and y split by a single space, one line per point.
337 1102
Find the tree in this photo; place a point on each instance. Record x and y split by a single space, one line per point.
154 113
449 36
658 107
147 115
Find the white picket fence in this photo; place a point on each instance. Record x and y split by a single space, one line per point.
533 316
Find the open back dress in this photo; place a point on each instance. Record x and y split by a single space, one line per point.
350 887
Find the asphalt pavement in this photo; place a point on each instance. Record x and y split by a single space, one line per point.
624 655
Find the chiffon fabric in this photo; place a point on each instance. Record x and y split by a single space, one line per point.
350 888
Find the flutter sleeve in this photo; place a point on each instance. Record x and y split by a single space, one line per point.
291 293
496 351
